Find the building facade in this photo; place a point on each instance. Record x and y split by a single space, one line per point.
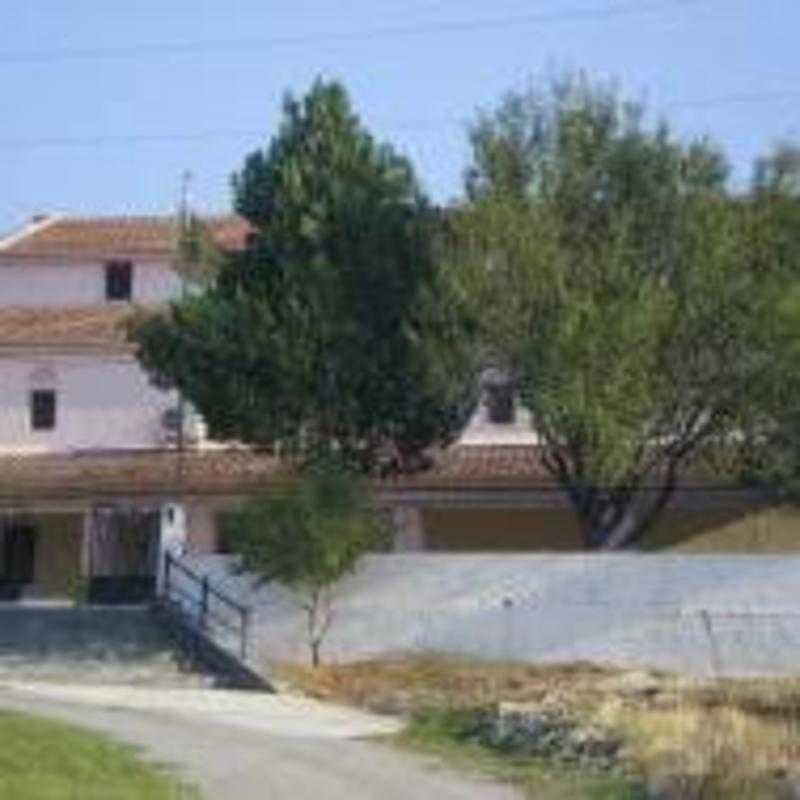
93 484
101 473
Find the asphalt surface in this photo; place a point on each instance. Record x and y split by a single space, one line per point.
265 748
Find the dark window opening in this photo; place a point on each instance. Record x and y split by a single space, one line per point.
119 280
500 402
226 533
19 543
43 409
18 554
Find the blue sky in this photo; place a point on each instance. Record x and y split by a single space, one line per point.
104 104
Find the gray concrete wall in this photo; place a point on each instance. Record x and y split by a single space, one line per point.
701 614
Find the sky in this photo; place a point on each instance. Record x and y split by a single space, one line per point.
103 105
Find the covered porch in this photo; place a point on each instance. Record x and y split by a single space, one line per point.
94 527
101 555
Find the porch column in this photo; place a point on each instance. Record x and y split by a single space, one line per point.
409 531
173 536
86 546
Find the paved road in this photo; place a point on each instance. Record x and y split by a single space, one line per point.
254 747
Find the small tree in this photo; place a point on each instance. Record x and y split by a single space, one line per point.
308 536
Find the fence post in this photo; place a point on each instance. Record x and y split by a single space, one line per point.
203 603
245 632
167 566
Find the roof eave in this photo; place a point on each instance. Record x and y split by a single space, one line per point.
83 256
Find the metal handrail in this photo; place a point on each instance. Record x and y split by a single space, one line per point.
200 601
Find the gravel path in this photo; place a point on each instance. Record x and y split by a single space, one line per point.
253 746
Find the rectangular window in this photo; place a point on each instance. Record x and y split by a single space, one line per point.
119 280
43 409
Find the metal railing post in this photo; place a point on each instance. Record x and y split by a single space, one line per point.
203 603
167 570
245 632
193 602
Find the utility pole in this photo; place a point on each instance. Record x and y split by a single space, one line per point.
186 182
183 228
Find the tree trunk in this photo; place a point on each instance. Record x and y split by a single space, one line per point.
619 519
319 616
315 654
312 609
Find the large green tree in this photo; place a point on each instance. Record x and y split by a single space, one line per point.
772 452
312 339
603 264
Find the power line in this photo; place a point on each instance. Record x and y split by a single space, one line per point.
738 99
201 136
397 125
390 32
122 139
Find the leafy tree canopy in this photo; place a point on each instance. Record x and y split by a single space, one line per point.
771 449
312 339
778 172
604 264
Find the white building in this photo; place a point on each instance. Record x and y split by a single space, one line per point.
96 483
84 436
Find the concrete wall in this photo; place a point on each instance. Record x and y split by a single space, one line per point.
732 615
102 403
771 529
485 529
740 528
64 284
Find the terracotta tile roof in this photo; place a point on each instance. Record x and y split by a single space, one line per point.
132 472
491 466
65 236
239 471
93 326
483 465
233 471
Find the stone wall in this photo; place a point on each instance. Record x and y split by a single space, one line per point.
702 614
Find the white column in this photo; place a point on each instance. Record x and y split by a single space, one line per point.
86 544
173 536
409 531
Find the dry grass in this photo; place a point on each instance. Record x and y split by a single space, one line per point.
710 753
703 740
404 685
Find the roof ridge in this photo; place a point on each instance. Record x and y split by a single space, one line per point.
117 218
69 235
30 228
222 217
69 308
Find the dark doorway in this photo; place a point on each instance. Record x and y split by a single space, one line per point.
123 556
19 557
